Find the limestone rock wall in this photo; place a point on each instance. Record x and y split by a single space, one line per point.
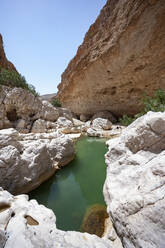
122 56
3 60
134 189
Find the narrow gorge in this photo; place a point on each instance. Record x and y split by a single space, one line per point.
73 176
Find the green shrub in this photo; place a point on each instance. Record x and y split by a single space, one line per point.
126 120
155 104
56 103
14 79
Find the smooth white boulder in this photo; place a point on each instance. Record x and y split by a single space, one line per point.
101 124
29 225
134 189
63 122
105 115
26 160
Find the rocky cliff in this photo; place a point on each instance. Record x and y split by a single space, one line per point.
121 57
3 60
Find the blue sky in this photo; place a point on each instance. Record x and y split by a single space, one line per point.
42 36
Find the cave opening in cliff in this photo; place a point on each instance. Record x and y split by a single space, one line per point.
12 115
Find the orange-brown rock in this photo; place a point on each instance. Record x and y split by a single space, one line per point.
3 60
122 56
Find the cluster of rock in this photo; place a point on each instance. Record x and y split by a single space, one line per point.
20 109
121 57
28 114
27 224
26 160
134 191
135 184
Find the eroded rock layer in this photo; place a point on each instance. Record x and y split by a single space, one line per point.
3 60
122 56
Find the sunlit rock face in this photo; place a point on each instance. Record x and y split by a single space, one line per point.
27 160
21 109
134 189
3 60
121 57
27 224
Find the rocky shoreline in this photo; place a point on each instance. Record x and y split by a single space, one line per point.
133 190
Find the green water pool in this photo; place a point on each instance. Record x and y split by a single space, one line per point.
77 186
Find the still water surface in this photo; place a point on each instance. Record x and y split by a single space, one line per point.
77 186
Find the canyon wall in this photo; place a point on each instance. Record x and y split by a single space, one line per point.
122 56
3 60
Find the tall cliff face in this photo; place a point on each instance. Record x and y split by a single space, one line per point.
3 60
123 55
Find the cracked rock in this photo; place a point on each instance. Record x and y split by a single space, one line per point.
134 189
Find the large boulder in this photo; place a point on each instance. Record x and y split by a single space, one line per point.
20 103
100 123
29 225
134 189
105 115
64 112
48 112
42 126
20 109
26 160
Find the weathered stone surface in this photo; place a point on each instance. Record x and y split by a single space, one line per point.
29 225
63 122
121 57
91 132
84 117
42 126
3 60
115 131
71 130
135 185
26 160
100 123
105 115
2 239
86 125
20 109
77 123
48 112
110 233
64 112
66 126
